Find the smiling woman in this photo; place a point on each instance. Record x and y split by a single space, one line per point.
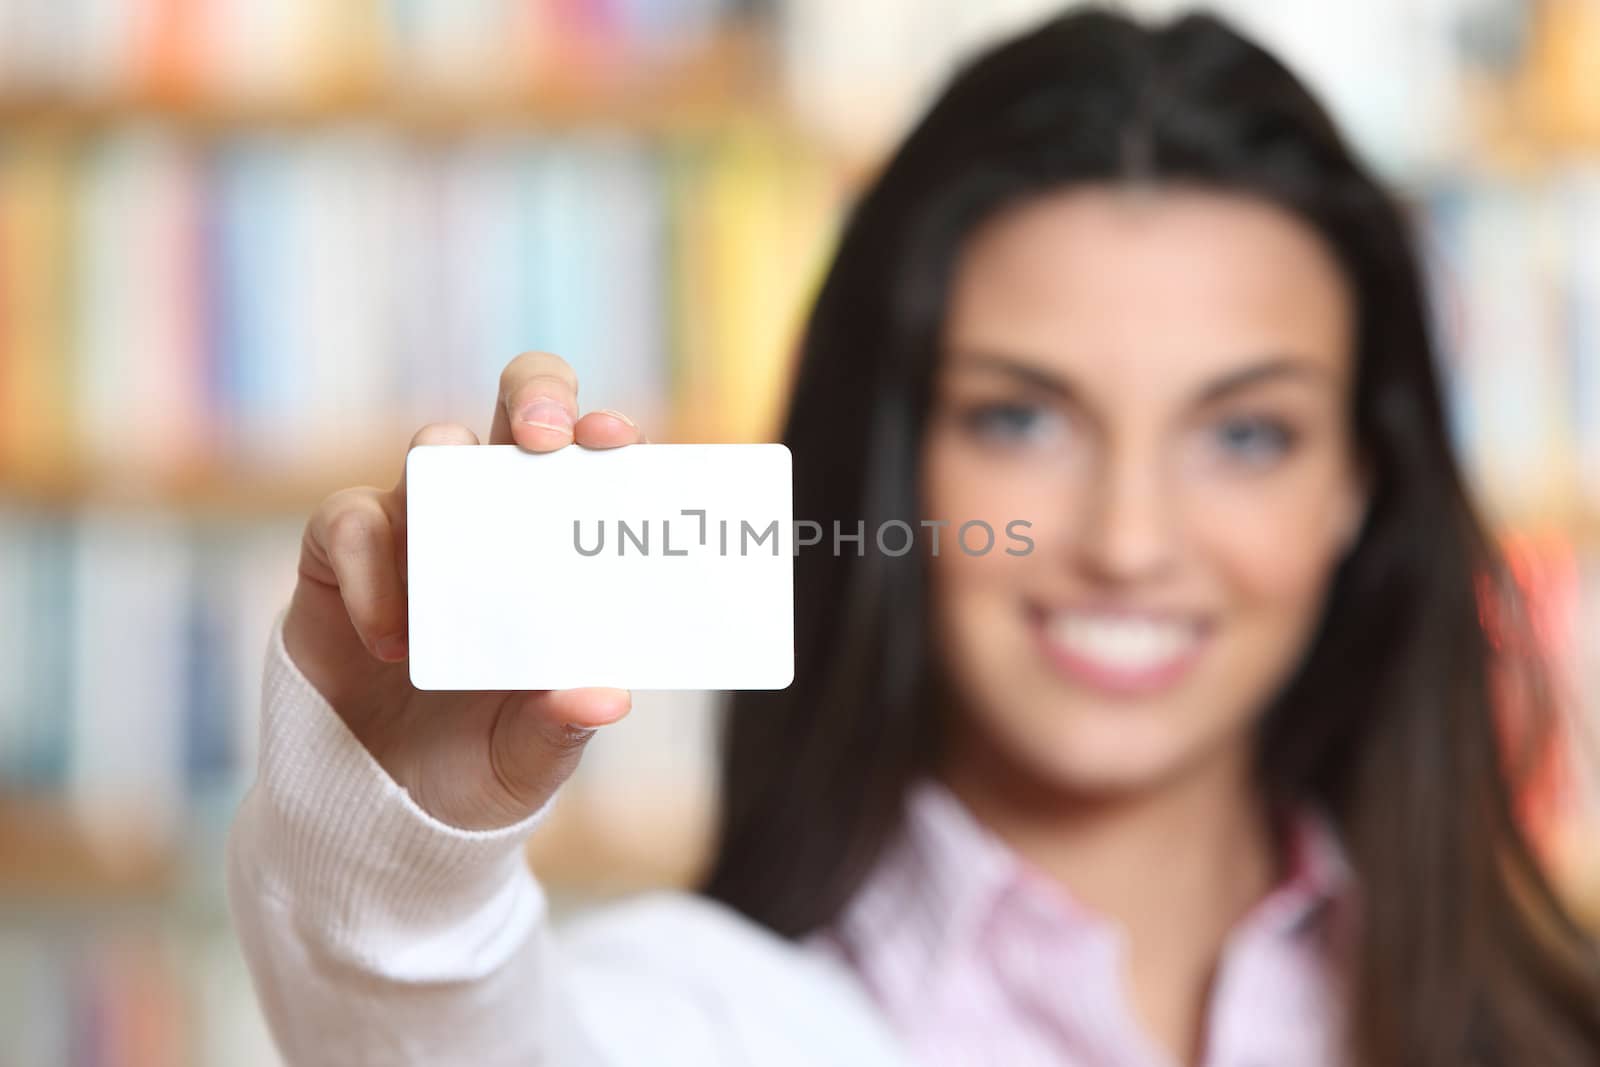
1133 285
1187 546
1213 774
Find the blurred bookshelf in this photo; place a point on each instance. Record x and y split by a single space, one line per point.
247 250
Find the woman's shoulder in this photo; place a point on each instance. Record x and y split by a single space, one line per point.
717 972
682 931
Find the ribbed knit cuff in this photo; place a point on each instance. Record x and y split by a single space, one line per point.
329 833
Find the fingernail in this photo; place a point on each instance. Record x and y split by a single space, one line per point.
546 414
392 647
617 415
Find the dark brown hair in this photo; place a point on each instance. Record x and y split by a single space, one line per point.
1465 954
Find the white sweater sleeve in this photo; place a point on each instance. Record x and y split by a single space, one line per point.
374 932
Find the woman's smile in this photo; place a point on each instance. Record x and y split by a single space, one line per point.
1119 651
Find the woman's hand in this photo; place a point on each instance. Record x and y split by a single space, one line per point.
473 760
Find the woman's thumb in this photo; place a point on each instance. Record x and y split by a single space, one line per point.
538 739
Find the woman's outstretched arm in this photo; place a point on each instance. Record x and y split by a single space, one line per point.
374 932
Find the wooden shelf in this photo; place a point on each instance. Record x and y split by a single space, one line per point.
202 490
220 487
1580 524
46 855
727 81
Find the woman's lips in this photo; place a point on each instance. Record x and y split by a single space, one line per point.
1119 652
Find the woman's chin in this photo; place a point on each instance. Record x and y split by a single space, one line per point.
1110 761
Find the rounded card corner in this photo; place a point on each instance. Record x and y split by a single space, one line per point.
420 679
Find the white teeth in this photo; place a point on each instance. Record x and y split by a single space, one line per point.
1121 642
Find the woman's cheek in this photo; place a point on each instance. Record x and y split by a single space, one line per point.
994 522
1266 546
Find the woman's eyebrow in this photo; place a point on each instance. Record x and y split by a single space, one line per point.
1020 370
1275 368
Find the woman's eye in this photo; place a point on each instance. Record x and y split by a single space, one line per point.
1011 422
1254 439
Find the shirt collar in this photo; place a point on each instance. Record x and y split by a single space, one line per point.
1317 874
930 896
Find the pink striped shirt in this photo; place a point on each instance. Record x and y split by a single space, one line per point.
975 958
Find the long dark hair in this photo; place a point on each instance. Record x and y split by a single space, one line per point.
1465 953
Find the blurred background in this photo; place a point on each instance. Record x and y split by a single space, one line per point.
246 249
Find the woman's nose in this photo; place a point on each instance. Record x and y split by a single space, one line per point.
1127 528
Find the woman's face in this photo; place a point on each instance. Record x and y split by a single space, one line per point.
1157 381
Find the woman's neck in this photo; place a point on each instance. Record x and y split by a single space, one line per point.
1175 868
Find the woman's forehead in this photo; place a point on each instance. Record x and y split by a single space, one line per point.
1169 287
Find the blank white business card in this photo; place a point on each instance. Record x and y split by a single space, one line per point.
643 567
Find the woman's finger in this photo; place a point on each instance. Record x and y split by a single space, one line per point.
352 533
605 428
394 502
435 433
538 404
